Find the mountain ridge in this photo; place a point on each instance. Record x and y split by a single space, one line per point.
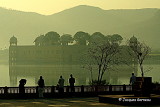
26 26
10 9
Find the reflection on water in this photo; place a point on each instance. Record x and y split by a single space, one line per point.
51 74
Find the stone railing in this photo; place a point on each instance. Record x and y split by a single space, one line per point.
78 89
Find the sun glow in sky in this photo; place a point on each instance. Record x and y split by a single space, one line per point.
53 6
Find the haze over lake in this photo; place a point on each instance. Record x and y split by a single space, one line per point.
26 26
31 81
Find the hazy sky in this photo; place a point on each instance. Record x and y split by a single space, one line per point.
53 6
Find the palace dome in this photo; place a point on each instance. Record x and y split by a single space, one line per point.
13 39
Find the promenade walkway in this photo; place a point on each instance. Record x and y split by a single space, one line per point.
63 102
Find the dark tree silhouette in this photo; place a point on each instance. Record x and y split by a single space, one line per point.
81 38
39 40
96 37
51 38
115 38
140 51
65 39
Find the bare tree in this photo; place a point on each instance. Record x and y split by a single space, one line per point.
140 51
103 55
87 64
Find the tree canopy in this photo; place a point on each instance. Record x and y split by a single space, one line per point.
115 38
65 39
81 38
51 38
96 37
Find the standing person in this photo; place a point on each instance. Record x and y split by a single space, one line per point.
132 79
132 82
41 87
61 85
71 82
22 82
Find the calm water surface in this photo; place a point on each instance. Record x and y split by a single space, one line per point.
81 78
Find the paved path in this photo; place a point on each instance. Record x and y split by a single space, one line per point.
63 102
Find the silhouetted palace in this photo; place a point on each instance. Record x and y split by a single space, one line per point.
35 55
51 62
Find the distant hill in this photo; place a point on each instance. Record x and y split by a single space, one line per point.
26 26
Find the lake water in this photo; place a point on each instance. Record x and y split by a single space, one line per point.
52 75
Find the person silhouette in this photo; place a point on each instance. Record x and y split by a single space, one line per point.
132 79
41 87
61 85
71 82
22 82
